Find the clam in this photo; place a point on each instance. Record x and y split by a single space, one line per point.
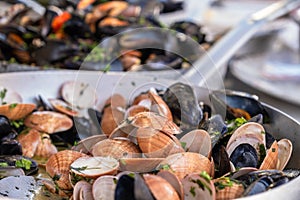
45 149
63 107
271 159
29 141
112 117
154 143
93 167
139 98
116 148
135 109
159 106
78 94
16 111
227 189
197 141
9 96
115 101
198 186
140 165
160 188
58 167
173 180
285 149
85 145
48 121
82 190
104 187
186 163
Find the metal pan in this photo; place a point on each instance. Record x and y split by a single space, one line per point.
47 83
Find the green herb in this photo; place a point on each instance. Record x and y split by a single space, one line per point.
75 143
17 123
56 177
223 183
3 164
205 175
107 68
13 105
123 162
234 124
131 175
192 191
203 186
23 163
79 168
183 144
115 180
2 95
165 167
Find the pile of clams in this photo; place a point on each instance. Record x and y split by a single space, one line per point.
159 145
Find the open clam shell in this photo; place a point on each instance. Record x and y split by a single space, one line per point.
159 106
93 167
16 111
160 188
58 166
173 180
104 187
140 165
82 190
112 117
63 107
197 187
271 159
116 148
285 149
186 163
48 121
85 145
227 189
197 141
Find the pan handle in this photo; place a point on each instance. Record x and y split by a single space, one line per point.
206 70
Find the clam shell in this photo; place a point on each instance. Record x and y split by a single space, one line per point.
29 141
16 111
271 159
174 181
285 149
45 149
160 188
116 100
197 141
197 187
135 109
112 117
140 165
104 187
85 145
186 163
63 107
82 190
58 167
48 121
159 105
93 167
234 191
139 98
116 148
154 143
79 95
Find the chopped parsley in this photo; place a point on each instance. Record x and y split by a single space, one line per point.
223 183
3 164
13 105
23 163
2 95
192 191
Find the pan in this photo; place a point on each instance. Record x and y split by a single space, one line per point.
48 83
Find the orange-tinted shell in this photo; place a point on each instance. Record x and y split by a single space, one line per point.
111 118
58 167
160 188
140 165
45 149
116 148
159 106
116 100
82 190
63 107
29 141
135 109
270 161
173 180
186 163
16 111
234 191
48 121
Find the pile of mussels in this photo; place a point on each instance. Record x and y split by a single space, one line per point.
62 33
161 145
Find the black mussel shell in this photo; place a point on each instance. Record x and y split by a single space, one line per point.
10 147
125 188
244 155
221 161
259 186
141 190
5 126
15 160
184 106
